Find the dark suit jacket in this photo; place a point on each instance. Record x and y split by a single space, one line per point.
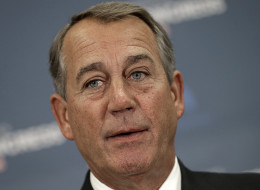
191 180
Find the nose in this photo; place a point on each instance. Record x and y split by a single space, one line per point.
121 100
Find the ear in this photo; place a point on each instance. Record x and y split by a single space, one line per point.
177 89
60 112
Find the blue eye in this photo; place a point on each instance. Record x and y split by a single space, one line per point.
94 84
137 75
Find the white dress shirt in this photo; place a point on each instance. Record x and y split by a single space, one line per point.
173 181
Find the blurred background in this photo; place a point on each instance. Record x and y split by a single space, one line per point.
217 50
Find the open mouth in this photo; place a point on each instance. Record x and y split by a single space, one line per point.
128 135
125 134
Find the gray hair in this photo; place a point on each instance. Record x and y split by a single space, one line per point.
109 12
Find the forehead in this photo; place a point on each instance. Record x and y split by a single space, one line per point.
90 32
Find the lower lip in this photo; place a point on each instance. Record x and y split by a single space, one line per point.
130 137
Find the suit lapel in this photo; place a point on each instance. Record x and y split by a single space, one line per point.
87 184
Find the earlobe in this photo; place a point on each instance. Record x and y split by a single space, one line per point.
60 112
178 91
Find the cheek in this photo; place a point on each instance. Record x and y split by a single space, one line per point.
157 102
86 127
85 120
159 107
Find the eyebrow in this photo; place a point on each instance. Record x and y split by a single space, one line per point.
97 66
136 58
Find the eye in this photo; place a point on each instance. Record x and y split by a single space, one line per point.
138 75
93 84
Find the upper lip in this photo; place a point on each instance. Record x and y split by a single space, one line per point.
125 131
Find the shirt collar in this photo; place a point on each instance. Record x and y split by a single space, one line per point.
173 181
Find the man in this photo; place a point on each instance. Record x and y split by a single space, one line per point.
119 97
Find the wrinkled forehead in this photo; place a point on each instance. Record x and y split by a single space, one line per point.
90 30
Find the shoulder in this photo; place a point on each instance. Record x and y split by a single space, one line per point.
218 181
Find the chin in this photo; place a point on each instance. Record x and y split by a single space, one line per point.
130 166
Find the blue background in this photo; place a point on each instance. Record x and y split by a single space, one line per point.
218 55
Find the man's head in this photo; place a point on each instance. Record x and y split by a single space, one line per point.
109 12
119 107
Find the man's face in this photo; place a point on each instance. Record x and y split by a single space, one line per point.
120 108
